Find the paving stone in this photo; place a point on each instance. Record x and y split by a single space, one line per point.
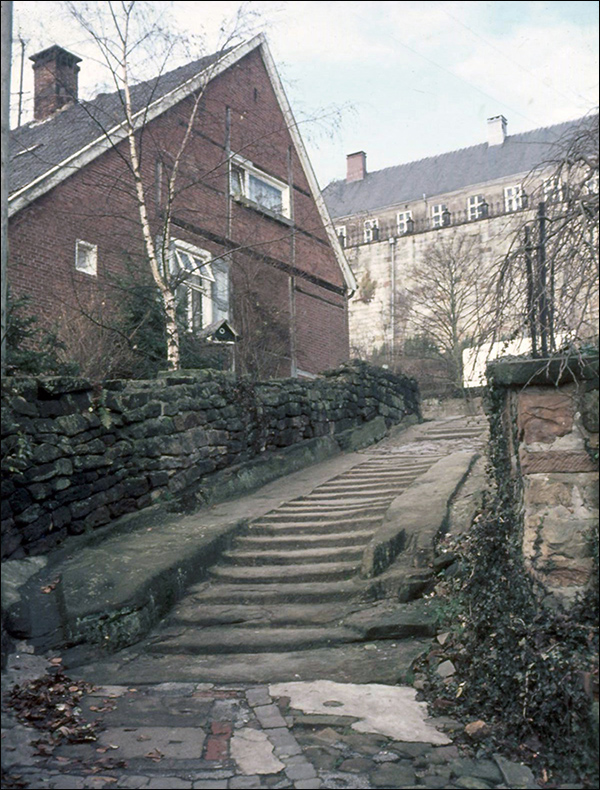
393 775
308 784
338 781
436 782
169 783
356 765
133 782
301 771
218 773
258 695
385 757
244 782
411 750
269 716
515 775
211 784
471 783
485 769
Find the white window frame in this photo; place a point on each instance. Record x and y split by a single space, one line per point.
437 212
342 234
402 218
369 226
513 198
554 189
197 284
86 257
242 170
474 204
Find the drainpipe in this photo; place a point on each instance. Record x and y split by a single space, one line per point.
392 243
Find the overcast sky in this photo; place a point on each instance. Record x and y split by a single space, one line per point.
399 80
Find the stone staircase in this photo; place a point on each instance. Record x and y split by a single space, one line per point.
286 583
291 582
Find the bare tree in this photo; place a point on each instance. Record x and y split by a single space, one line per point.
122 31
547 286
447 298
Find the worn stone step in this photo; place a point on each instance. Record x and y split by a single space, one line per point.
375 488
278 593
323 514
293 556
269 574
327 499
296 541
194 611
313 527
242 639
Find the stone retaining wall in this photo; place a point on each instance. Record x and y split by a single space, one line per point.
554 449
76 455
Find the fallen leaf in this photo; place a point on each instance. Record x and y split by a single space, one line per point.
155 755
55 661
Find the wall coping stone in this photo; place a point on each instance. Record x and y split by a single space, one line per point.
551 371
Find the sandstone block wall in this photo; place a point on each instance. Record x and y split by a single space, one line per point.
555 453
77 455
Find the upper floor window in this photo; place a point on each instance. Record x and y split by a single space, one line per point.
253 186
514 198
86 257
402 221
342 235
440 216
477 207
194 280
371 232
553 190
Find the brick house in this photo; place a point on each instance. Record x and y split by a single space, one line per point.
249 224
477 197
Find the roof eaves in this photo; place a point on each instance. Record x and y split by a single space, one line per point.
52 177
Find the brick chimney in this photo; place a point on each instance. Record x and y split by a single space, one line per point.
55 81
356 166
496 130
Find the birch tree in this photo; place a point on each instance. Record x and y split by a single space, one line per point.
123 33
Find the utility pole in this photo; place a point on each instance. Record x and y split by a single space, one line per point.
6 43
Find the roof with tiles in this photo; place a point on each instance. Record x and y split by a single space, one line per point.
438 175
37 147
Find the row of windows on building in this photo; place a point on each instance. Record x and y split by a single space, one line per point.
190 268
515 199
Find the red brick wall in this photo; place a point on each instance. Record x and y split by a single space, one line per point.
97 205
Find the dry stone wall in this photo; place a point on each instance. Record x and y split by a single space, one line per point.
76 455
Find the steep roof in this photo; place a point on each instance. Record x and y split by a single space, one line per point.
38 146
45 153
437 175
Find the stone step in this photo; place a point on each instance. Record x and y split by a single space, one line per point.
324 514
305 539
192 611
374 488
241 639
277 593
290 529
347 498
270 574
292 556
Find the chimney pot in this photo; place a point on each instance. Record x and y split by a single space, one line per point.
55 81
496 130
356 166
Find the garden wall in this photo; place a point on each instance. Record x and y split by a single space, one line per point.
76 455
549 418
